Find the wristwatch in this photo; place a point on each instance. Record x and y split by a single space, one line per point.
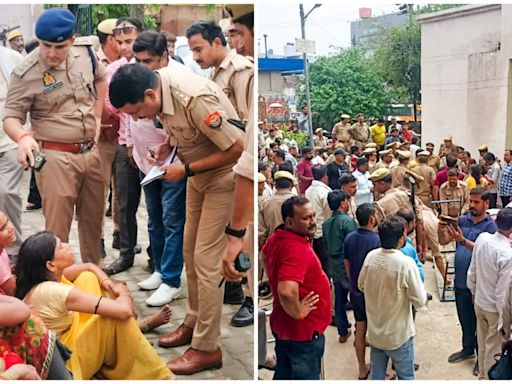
463 242
233 232
188 172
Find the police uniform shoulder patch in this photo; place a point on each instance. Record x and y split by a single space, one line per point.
240 63
213 120
28 62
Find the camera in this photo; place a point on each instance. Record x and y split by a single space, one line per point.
242 262
39 160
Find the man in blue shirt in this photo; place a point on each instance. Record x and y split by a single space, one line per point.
357 246
506 179
408 249
468 228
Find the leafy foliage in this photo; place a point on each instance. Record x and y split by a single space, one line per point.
345 83
300 138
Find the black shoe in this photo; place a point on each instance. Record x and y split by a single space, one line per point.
137 249
121 264
476 369
416 367
108 212
461 355
233 293
348 306
103 253
429 296
115 240
245 315
264 291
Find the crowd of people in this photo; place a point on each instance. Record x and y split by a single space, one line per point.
96 114
340 221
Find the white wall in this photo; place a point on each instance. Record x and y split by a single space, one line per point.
465 77
24 15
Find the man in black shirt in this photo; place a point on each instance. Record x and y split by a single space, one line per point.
337 168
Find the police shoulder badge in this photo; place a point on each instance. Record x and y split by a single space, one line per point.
50 83
213 120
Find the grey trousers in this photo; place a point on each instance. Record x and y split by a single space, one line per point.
262 337
11 175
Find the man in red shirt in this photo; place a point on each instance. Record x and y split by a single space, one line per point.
302 306
406 133
305 169
442 175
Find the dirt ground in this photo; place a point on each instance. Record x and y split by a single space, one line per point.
438 334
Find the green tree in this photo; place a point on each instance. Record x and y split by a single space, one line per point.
345 83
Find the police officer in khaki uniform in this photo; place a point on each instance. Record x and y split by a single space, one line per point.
424 188
195 113
360 131
386 157
233 73
341 132
454 189
434 161
398 172
62 86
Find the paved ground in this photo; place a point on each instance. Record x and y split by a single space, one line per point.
438 335
237 343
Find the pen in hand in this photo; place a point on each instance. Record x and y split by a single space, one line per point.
153 155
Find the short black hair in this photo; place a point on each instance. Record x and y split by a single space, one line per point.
451 160
286 166
364 212
504 219
490 157
135 22
407 214
102 37
151 41
262 166
170 36
335 197
247 20
361 161
305 150
209 30
482 192
287 208
283 183
319 171
453 172
129 84
380 120
391 230
347 178
280 153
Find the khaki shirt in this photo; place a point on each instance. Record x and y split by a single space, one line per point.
270 214
394 199
352 208
434 162
382 164
372 166
360 132
235 76
446 192
424 188
398 175
189 101
60 100
341 133
320 142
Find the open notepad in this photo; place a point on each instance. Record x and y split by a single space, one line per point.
156 172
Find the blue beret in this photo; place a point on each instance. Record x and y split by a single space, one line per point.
55 25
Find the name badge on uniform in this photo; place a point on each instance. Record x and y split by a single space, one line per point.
213 120
50 83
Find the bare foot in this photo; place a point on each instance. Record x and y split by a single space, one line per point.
156 319
364 373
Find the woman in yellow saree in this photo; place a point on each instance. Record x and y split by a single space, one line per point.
73 300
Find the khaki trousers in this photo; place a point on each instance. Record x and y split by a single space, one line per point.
68 180
489 340
425 199
108 152
431 225
209 204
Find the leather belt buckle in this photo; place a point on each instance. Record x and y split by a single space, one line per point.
85 147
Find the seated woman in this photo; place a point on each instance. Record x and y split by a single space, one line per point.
102 333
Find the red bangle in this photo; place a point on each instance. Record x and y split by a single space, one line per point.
24 134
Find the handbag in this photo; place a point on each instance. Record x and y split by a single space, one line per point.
502 369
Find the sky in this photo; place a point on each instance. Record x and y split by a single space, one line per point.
327 25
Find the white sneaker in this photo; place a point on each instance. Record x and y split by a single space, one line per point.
152 282
163 295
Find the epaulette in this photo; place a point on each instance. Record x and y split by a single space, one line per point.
183 98
92 41
241 62
28 62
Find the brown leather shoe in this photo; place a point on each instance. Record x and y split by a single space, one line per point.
193 361
180 336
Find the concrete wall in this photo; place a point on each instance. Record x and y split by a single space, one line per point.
24 15
465 76
270 83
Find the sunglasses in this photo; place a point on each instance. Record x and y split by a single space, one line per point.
126 30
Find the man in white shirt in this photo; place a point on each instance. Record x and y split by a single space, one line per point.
317 196
392 285
364 192
490 268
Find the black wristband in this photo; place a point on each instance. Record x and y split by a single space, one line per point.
188 172
233 232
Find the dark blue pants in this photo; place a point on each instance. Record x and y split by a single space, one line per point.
467 318
165 201
340 302
33 196
299 360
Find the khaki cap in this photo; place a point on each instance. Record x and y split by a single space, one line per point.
260 122
385 152
261 177
107 26
283 175
339 145
448 138
392 145
238 10
369 150
379 174
14 33
430 145
345 116
416 177
371 145
318 130
404 154
424 153
483 147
